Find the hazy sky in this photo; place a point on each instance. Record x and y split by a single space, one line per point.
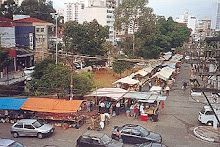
198 8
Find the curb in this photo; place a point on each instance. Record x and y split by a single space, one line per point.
202 137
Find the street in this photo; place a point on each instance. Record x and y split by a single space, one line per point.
175 123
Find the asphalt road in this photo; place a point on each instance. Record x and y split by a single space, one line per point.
175 123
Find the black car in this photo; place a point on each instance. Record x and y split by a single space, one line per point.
135 134
96 139
150 144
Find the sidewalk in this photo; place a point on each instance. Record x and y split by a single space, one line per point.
207 133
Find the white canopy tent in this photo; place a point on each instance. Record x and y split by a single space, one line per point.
127 80
114 93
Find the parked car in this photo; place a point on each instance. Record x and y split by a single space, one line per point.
9 143
31 127
150 144
96 139
135 134
28 72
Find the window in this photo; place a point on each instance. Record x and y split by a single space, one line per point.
126 131
85 139
95 141
42 29
19 126
136 133
209 113
38 30
28 127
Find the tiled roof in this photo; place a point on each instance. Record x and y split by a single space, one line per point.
4 19
6 24
30 20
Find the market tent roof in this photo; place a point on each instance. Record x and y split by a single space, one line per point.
172 65
145 96
114 93
164 73
148 69
176 57
142 73
51 105
156 88
127 80
11 103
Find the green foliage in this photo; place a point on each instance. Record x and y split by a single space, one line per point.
41 67
120 66
37 9
4 59
155 34
86 38
83 82
51 78
8 8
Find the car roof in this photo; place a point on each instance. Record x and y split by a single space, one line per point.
27 121
94 134
132 126
5 142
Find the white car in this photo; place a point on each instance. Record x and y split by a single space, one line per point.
187 58
10 143
28 72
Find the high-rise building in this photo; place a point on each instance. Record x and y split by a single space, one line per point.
189 20
218 17
72 11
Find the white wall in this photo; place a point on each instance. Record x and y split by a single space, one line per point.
91 13
7 35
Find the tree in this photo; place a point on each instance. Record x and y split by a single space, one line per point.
4 59
120 66
8 8
130 13
86 38
37 9
55 78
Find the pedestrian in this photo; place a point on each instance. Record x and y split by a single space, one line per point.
102 105
107 107
135 111
167 90
88 106
142 108
113 109
118 108
118 135
132 110
91 105
184 86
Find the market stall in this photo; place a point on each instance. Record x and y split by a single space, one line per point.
149 102
127 83
10 109
58 111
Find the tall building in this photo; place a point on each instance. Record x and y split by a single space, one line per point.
72 11
218 17
204 28
189 20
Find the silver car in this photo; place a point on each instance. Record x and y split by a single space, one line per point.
10 143
31 127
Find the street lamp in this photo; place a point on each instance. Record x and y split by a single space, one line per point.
55 15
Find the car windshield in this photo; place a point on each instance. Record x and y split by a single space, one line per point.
37 124
105 139
16 144
144 131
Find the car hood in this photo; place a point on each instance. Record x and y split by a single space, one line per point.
115 144
46 127
154 137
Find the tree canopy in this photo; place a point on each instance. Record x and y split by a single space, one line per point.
120 66
152 35
49 77
37 9
8 8
86 38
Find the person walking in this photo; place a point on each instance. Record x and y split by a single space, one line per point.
118 108
135 111
167 90
184 86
